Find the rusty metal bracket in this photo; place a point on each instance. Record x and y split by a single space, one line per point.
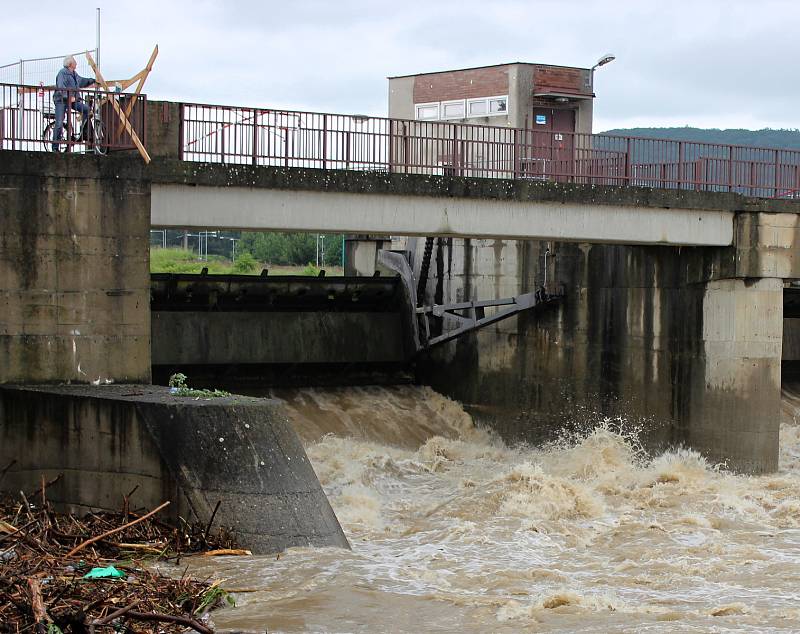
471 315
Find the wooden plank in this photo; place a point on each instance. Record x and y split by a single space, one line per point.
142 78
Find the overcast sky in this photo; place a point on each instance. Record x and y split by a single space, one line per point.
731 64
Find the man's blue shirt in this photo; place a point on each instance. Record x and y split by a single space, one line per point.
69 79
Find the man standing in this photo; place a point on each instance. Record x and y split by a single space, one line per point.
66 96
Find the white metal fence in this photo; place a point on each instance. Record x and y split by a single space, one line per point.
42 70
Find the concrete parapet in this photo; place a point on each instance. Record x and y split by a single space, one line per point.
107 440
163 131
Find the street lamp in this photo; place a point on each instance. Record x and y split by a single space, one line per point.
605 59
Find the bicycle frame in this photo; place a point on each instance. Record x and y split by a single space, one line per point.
81 131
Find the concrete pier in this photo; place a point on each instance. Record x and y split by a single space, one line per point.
74 271
656 335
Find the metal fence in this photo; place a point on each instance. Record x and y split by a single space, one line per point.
27 120
42 70
256 136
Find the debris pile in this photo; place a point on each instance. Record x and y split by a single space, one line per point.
60 573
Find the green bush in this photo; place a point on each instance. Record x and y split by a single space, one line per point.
177 385
310 270
245 263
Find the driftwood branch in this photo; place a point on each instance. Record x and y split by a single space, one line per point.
211 521
115 530
166 618
116 614
37 605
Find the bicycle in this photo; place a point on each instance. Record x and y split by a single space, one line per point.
91 131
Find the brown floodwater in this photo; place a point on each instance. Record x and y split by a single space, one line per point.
453 531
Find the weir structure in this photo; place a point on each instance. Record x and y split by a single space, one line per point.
672 311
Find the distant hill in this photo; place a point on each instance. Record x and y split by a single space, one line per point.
784 139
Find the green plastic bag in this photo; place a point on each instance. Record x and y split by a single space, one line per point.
104 573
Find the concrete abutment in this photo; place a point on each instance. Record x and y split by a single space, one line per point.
106 441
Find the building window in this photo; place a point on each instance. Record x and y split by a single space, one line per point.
453 109
498 105
477 108
427 110
462 109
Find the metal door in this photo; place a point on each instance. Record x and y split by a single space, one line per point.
551 144
563 156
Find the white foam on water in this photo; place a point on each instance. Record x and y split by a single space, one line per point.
452 530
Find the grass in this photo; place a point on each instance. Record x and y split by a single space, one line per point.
180 261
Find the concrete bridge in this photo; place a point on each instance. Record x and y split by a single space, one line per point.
673 316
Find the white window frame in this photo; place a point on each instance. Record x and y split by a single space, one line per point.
487 101
482 100
453 102
489 106
440 106
431 104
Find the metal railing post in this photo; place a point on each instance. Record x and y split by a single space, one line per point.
730 168
255 138
628 161
181 118
324 141
776 180
390 145
405 148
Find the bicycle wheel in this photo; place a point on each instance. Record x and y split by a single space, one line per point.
98 133
47 138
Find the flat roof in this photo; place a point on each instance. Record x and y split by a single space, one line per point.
452 70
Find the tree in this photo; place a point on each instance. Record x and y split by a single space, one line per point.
291 248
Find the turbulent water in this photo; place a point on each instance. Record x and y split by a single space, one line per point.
452 531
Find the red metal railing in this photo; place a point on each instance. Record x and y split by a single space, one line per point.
27 120
354 142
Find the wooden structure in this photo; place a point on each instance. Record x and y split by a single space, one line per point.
123 114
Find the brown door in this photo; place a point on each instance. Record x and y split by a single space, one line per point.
563 143
552 142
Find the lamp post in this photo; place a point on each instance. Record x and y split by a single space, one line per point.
605 59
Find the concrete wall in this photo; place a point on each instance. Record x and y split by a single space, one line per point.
163 129
74 270
641 334
107 440
401 98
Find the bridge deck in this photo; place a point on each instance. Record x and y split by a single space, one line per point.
294 199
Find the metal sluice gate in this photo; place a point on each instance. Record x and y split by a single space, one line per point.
471 315
253 293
